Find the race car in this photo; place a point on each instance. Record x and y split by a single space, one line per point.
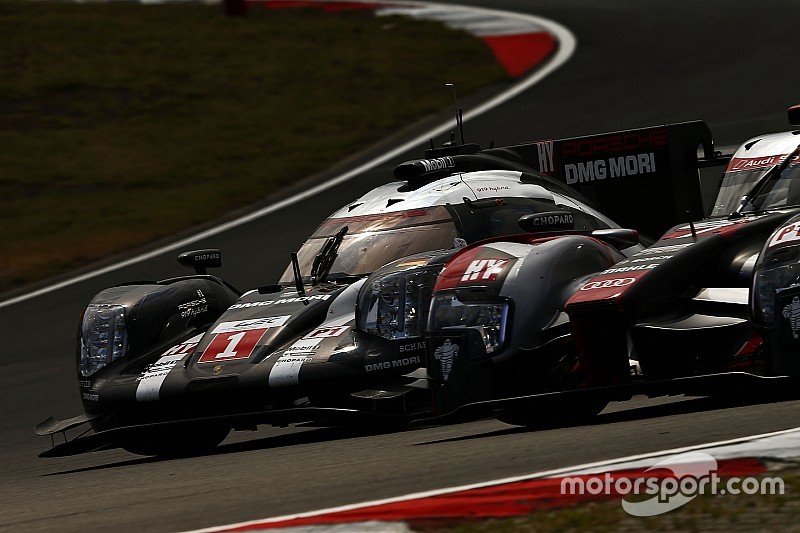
711 308
170 367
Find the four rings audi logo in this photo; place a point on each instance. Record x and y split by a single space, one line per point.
607 283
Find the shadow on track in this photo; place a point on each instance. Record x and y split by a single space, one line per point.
324 434
687 406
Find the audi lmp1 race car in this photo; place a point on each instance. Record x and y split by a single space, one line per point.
170 367
711 308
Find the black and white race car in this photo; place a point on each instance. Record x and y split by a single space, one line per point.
170 367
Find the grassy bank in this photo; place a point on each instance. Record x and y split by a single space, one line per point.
122 123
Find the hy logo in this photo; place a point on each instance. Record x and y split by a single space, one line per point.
484 269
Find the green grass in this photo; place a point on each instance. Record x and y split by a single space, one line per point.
122 123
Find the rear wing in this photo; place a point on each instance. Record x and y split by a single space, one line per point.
647 178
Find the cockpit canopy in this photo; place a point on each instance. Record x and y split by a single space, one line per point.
373 240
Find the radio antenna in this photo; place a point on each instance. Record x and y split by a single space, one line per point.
459 113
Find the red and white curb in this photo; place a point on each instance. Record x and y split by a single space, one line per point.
518 43
566 45
521 495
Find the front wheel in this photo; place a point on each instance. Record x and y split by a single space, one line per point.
178 441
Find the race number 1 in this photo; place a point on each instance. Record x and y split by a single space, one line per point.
231 345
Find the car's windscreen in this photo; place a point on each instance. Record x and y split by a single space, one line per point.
781 190
735 184
773 186
372 241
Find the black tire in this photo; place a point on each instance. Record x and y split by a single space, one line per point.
178 441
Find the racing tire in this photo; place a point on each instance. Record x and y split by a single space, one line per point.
563 415
178 442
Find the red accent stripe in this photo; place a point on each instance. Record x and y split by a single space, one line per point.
521 52
497 501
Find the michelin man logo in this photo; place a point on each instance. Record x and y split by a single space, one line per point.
792 312
446 354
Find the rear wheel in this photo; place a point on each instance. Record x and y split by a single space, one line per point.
178 441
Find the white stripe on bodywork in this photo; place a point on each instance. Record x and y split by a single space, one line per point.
286 370
154 375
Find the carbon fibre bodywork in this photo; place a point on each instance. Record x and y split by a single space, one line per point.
170 367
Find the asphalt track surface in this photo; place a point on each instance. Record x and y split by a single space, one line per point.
730 63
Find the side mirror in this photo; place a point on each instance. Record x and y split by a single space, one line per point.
547 221
617 237
794 115
200 260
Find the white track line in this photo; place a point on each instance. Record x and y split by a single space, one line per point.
567 44
558 472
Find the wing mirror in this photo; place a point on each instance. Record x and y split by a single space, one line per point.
201 260
618 237
547 221
794 115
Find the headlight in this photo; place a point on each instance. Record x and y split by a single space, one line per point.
104 337
769 279
488 318
395 305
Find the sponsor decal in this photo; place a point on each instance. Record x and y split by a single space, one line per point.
546 161
631 268
722 227
607 283
231 345
91 397
446 354
750 163
553 220
194 307
84 384
493 188
253 323
484 270
792 313
413 346
613 167
663 249
265 303
326 332
206 257
286 370
612 144
154 374
788 233
439 163
388 365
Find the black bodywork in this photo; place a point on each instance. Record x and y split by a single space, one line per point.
170 367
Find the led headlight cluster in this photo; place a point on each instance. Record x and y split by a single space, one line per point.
104 337
395 305
489 318
767 280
